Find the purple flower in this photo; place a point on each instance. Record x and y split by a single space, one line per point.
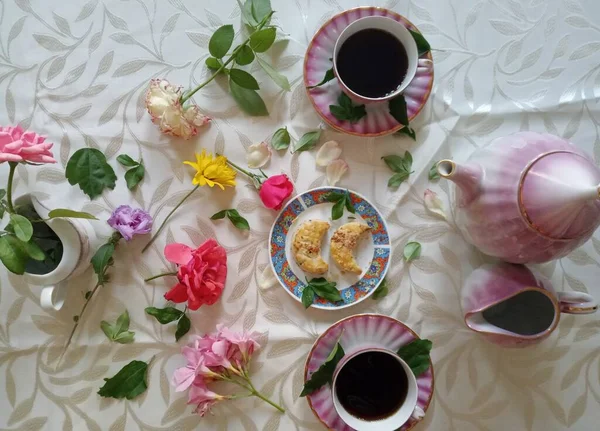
130 222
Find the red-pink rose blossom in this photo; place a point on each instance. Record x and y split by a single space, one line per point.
202 273
16 145
275 191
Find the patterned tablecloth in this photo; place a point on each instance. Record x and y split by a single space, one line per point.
77 72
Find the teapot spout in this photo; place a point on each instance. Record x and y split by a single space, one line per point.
466 177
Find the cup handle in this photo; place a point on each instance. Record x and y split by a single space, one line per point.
577 303
418 413
53 297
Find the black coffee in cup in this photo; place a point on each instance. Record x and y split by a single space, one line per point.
372 63
372 386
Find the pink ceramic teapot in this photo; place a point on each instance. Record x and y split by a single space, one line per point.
526 198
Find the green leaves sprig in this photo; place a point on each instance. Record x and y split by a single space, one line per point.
308 141
119 332
170 314
325 372
136 172
129 382
347 110
89 169
234 217
401 166
416 355
341 200
321 288
412 251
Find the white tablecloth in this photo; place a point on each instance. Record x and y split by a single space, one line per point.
77 71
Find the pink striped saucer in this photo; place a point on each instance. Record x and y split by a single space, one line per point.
359 332
378 121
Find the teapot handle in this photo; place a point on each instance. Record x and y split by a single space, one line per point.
577 303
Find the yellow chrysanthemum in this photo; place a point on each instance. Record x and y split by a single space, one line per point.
212 171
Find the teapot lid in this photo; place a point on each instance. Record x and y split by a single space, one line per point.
559 195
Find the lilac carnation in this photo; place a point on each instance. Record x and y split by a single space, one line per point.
130 222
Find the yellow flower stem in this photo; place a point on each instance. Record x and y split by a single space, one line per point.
167 218
243 171
229 60
11 175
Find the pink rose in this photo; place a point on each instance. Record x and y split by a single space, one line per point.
202 273
275 190
17 145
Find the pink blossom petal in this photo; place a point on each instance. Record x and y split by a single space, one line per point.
335 170
267 278
328 152
183 378
178 253
258 155
434 204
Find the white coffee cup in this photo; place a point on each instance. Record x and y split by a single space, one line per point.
397 419
398 30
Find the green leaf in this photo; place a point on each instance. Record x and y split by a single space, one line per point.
262 40
334 196
2 193
422 44
349 204
407 161
126 161
412 250
308 296
328 77
260 9
308 141
277 77
338 209
249 100
416 355
134 175
406 131
394 162
397 179
64 212
213 63
102 257
247 16
244 56
128 383
164 315
325 289
281 139
397 107
237 220
433 172
33 250
88 168
183 327
107 329
122 322
220 215
340 113
243 79
382 290
22 226
119 332
325 372
12 254
221 41
345 110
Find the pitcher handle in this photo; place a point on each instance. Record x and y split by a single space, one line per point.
53 297
577 303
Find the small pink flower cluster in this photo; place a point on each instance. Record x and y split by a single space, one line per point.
164 106
221 356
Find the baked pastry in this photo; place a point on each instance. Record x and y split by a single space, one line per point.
343 243
307 246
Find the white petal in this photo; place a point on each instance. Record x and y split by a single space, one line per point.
434 204
258 155
418 413
328 152
335 170
267 278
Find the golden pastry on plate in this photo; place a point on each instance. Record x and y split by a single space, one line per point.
343 243
307 246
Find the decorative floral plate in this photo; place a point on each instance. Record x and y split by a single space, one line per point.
372 254
378 121
359 332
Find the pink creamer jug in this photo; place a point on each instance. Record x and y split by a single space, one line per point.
526 198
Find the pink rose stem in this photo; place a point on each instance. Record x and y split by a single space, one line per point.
231 58
164 274
11 175
162 225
